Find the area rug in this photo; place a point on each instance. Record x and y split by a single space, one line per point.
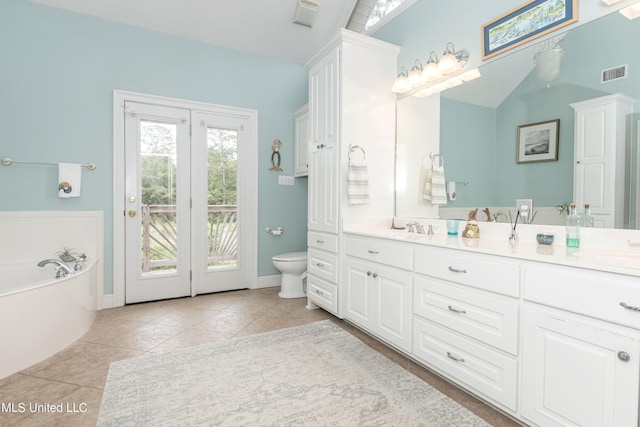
315 375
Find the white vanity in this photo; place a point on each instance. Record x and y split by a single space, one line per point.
549 336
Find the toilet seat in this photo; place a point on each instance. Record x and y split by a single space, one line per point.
291 257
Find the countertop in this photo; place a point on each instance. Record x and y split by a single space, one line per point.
596 258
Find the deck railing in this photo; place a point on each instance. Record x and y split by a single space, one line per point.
159 236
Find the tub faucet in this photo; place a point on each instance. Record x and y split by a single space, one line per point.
415 226
63 269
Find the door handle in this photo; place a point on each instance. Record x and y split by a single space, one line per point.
132 213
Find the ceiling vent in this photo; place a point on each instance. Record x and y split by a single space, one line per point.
614 73
306 11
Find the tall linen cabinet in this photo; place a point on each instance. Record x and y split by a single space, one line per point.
350 104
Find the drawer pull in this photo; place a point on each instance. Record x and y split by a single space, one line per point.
319 292
319 241
373 252
629 307
457 270
457 310
457 359
319 264
624 356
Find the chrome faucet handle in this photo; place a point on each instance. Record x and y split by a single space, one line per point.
60 273
411 227
430 230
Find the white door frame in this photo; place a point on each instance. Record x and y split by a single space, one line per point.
248 197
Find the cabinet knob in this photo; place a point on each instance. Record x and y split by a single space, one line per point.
624 356
375 274
368 273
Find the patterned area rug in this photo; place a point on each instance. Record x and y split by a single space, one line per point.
316 375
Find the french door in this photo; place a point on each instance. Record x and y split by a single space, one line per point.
184 197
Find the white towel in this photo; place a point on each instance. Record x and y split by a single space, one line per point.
434 189
69 180
357 183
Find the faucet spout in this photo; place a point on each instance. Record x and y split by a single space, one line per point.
415 226
61 265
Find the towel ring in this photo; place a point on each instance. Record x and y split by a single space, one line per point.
353 148
432 156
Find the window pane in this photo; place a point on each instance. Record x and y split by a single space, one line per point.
158 203
222 156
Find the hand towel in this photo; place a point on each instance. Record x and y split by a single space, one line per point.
438 189
357 183
69 179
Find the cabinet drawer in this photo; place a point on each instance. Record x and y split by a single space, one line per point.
379 251
323 294
475 366
479 271
323 264
591 293
487 319
324 241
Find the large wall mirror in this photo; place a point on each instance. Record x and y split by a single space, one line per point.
474 127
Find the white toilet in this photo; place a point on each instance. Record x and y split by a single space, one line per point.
293 266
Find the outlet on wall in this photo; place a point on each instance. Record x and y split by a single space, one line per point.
525 206
285 180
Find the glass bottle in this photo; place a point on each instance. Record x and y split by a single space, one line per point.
588 218
573 228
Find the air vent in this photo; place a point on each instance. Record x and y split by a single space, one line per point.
305 13
614 73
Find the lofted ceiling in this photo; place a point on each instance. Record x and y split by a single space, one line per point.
255 26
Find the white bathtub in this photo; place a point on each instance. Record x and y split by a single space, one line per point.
41 315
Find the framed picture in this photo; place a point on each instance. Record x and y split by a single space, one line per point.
528 21
538 142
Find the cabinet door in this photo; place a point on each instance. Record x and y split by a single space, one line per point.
302 141
578 374
392 306
358 293
330 103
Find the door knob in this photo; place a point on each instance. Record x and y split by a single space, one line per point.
132 213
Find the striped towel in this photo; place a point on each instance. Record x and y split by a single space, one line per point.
357 183
434 189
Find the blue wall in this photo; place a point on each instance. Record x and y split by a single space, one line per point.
58 71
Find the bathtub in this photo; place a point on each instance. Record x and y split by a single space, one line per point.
41 315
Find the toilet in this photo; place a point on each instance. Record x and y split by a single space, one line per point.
293 266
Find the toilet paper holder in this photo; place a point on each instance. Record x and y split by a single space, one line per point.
274 231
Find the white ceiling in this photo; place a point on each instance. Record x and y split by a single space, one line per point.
262 27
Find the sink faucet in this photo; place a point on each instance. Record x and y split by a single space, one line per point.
416 227
63 269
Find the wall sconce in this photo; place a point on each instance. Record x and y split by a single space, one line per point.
434 70
549 63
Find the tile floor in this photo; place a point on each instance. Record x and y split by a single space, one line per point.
75 377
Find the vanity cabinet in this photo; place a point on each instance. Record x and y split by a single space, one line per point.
464 323
581 347
376 295
349 103
301 151
602 138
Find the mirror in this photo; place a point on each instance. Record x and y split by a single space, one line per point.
474 127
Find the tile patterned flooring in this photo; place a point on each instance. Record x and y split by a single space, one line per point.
75 377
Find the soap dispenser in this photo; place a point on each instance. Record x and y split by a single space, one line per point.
573 228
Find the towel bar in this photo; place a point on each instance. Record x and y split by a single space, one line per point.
8 161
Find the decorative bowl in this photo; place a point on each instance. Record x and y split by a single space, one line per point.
544 238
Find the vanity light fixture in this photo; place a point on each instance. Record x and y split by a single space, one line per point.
631 12
435 70
450 82
400 85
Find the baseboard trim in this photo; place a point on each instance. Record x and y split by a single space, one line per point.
108 301
269 281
